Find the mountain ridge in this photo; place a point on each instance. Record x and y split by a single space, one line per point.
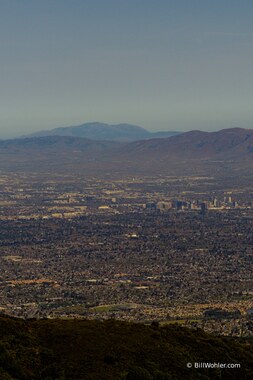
200 144
193 151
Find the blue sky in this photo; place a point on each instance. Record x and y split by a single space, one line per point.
164 64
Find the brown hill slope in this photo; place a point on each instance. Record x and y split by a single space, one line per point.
227 143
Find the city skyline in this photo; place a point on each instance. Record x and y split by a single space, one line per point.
163 66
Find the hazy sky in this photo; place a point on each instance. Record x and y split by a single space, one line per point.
164 64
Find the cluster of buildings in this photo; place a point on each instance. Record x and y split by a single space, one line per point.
187 205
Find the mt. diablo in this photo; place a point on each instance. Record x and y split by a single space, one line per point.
227 150
102 131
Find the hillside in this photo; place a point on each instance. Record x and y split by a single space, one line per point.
227 143
226 152
110 350
54 153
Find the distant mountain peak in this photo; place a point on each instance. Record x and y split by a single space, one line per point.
102 131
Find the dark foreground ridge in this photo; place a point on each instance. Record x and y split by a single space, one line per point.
110 350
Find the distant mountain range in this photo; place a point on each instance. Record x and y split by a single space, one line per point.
102 131
190 152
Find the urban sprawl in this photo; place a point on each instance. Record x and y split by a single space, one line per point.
167 249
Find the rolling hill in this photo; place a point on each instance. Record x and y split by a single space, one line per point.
227 143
